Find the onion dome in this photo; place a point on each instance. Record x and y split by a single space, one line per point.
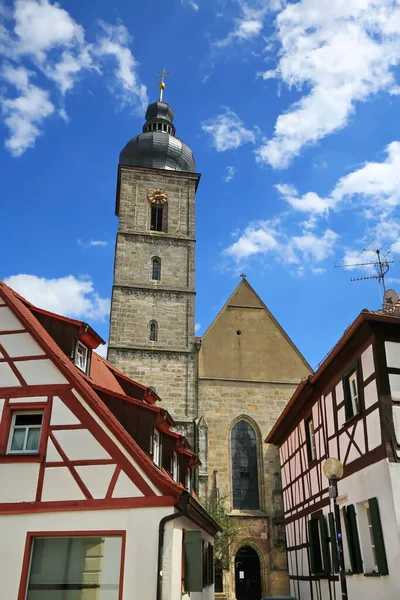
158 147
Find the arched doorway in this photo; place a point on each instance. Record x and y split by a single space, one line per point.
247 574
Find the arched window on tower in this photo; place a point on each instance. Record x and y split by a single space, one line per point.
153 331
156 268
244 467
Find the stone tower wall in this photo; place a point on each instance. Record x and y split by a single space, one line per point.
167 364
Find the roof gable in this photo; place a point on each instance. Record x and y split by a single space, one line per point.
245 341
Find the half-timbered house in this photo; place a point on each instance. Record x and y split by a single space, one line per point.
95 486
350 410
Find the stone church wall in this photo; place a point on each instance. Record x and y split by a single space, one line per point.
222 403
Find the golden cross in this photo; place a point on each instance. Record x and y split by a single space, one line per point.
163 74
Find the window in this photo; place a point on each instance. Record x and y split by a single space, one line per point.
318 537
352 539
25 433
153 331
188 480
175 465
156 443
218 574
156 269
244 467
156 219
81 356
351 394
310 439
371 534
75 567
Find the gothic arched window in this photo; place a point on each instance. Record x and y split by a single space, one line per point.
156 269
153 331
244 467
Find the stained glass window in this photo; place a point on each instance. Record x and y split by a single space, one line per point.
244 467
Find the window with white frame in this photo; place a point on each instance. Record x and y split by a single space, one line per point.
81 356
351 393
75 567
188 480
371 534
175 464
156 447
25 433
310 439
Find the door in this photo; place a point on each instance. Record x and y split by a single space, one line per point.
247 574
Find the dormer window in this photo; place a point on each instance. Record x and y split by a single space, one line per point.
175 465
156 444
188 480
81 356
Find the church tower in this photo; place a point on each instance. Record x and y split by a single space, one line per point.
152 308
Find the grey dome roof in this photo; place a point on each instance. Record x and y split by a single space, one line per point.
158 147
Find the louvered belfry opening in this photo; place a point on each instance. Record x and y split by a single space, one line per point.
244 467
156 222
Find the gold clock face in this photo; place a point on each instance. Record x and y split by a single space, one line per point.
157 196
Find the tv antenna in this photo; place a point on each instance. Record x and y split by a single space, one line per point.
382 265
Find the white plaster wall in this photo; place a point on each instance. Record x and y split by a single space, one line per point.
80 444
20 344
41 372
367 362
392 350
375 481
18 482
381 480
9 322
370 394
141 526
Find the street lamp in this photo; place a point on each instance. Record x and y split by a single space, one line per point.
333 471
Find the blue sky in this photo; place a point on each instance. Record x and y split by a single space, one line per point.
292 112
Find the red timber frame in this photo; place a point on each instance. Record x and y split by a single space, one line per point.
46 534
92 418
301 497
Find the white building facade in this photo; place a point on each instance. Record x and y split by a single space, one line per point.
350 410
90 474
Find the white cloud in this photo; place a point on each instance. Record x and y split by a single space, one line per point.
376 185
249 24
43 35
318 271
341 53
257 238
70 296
227 131
102 350
230 173
197 327
268 238
309 202
191 3
25 113
114 42
95 243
